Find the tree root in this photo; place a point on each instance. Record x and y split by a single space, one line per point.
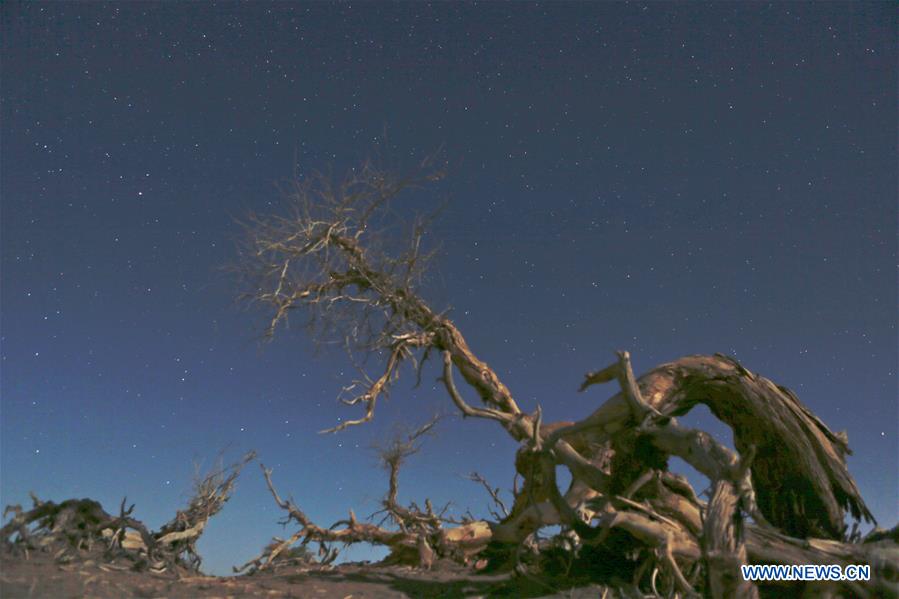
81 528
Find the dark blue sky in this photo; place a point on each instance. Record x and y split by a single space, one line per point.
664 178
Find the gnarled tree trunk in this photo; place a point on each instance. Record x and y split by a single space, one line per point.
786 486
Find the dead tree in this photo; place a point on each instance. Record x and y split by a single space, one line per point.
81 529
782 496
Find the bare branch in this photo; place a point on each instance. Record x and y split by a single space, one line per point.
466 409
494 495
631 391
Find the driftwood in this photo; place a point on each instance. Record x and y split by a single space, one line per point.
782 493
80 528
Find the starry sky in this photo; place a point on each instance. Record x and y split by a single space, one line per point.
669 179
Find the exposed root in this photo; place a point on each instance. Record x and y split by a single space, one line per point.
80 529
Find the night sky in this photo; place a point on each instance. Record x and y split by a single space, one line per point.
669 179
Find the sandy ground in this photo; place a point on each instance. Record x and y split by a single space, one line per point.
39 576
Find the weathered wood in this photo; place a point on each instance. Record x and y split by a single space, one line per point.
802 483
787 470
83 525
724 549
